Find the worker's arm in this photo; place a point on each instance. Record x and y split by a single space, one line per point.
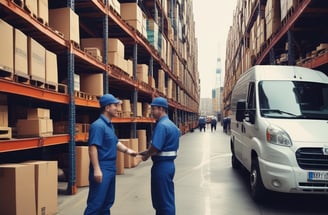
122 148
93 154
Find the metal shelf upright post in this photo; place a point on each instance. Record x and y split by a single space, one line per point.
71 186
105 48
135 91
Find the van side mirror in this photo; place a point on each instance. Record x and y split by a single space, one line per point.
240 112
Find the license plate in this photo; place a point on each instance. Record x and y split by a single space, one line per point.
318 176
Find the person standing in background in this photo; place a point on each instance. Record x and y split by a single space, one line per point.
103 144
163 152
213 124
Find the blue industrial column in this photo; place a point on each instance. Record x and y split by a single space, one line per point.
151 67
135 91
105 52
71 186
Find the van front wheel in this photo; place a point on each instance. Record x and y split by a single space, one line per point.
257 188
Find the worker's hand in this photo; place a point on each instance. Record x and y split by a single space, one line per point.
131 152
144 155
98 175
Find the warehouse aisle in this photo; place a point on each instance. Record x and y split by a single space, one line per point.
202 181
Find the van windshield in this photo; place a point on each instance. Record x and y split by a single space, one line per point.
293 99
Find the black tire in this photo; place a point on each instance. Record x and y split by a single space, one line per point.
258 190
235 163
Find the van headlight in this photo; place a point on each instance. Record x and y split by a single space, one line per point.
276 135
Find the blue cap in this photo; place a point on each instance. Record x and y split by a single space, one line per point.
108 99
160 102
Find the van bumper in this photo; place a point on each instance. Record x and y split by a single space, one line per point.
287 179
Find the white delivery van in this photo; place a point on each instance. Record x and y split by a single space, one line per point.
279 129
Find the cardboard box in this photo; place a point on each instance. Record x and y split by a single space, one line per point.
126 105
127 158
134 145
92 83
36 60
34 127
119 163
3 116
142 140
138 25
17 187
146 110
77 85
46 186
43 10
62 127
114 45
169 88
131 11
142 73
82 166
139 109
20 56
51 68
129 68
32 6
38 113
115 59
6 47
161 81
66 21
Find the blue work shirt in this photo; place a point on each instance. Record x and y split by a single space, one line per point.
165 138
103 136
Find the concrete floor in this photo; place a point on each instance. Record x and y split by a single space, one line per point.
205 184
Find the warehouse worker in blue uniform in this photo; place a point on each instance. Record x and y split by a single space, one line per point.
103 144
163 151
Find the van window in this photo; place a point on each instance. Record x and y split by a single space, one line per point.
251 101
293 99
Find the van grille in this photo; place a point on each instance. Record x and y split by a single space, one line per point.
312 158
321 187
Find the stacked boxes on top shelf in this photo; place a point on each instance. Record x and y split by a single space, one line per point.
26 59
6 45
21 53
36 61
66 21
133 15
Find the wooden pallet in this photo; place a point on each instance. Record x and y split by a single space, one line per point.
42 21
23 79
62 88
5 133
37 83
4 73
51 86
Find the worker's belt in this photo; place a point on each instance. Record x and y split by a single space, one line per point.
169 153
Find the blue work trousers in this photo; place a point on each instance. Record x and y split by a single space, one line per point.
162 187
101 195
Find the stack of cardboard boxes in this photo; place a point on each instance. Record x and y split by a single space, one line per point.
133 15
29 188
37 124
